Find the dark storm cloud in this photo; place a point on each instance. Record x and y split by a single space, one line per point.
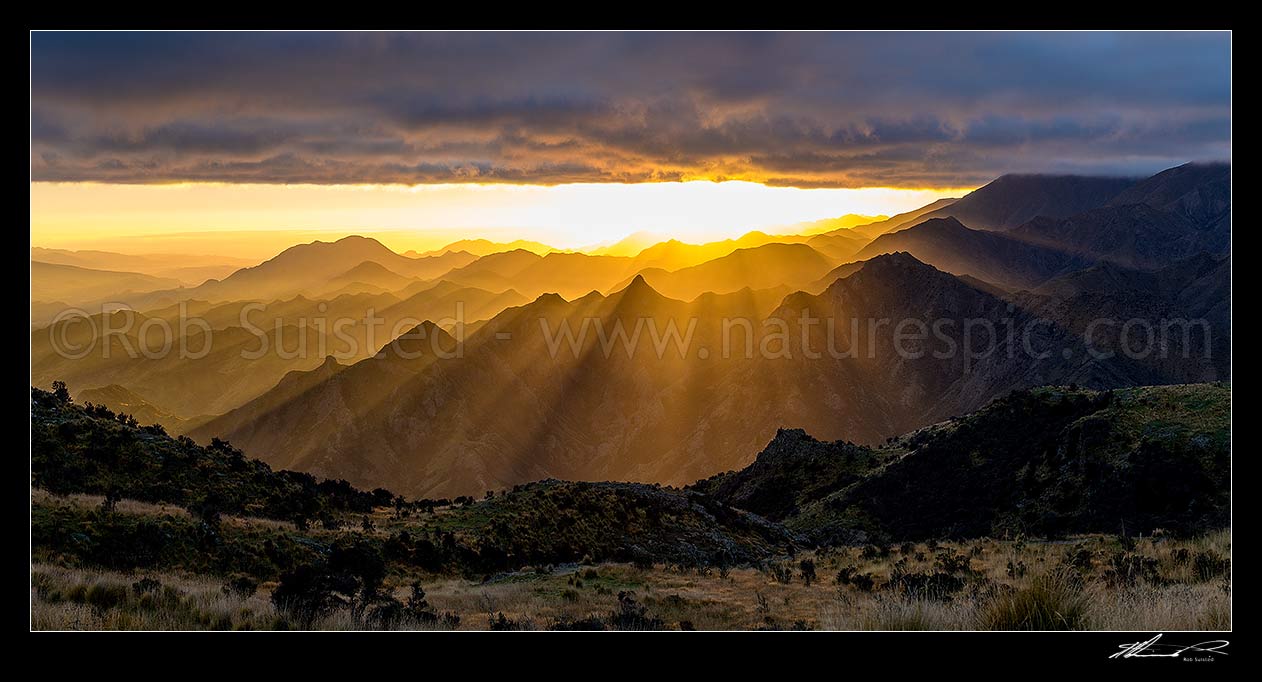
842 109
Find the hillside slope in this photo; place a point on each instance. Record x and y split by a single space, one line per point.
1042 462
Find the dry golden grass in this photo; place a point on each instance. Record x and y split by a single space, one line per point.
1051 592
40 496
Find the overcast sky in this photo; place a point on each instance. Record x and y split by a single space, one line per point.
800 109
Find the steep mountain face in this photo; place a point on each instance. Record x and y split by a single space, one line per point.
771 265
1170 217
1046 462
622 401
990 256
1136 236
1175 321
914 345
332 401
1197 192
1013 200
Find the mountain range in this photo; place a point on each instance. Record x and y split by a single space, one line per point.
680 360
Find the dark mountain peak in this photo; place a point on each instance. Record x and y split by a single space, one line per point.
1014 199
589 297
637 293
330 362
898 260
900 278
548 299
638 283
421 340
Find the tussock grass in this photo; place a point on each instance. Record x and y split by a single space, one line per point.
1050 601
1053 593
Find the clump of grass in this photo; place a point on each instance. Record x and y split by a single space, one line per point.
903 613
1217 616
1050 601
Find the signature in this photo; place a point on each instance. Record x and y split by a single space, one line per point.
1152 649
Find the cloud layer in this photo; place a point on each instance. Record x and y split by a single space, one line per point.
801 109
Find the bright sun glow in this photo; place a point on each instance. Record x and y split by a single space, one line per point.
257 220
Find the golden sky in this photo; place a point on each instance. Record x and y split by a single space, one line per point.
257 220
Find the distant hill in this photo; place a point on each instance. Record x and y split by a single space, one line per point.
494 272
371 273
188 269
571 274
673 254
761 267
845 222
873 230
446 302
301 268
631 245
841 245
485 247
76 285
